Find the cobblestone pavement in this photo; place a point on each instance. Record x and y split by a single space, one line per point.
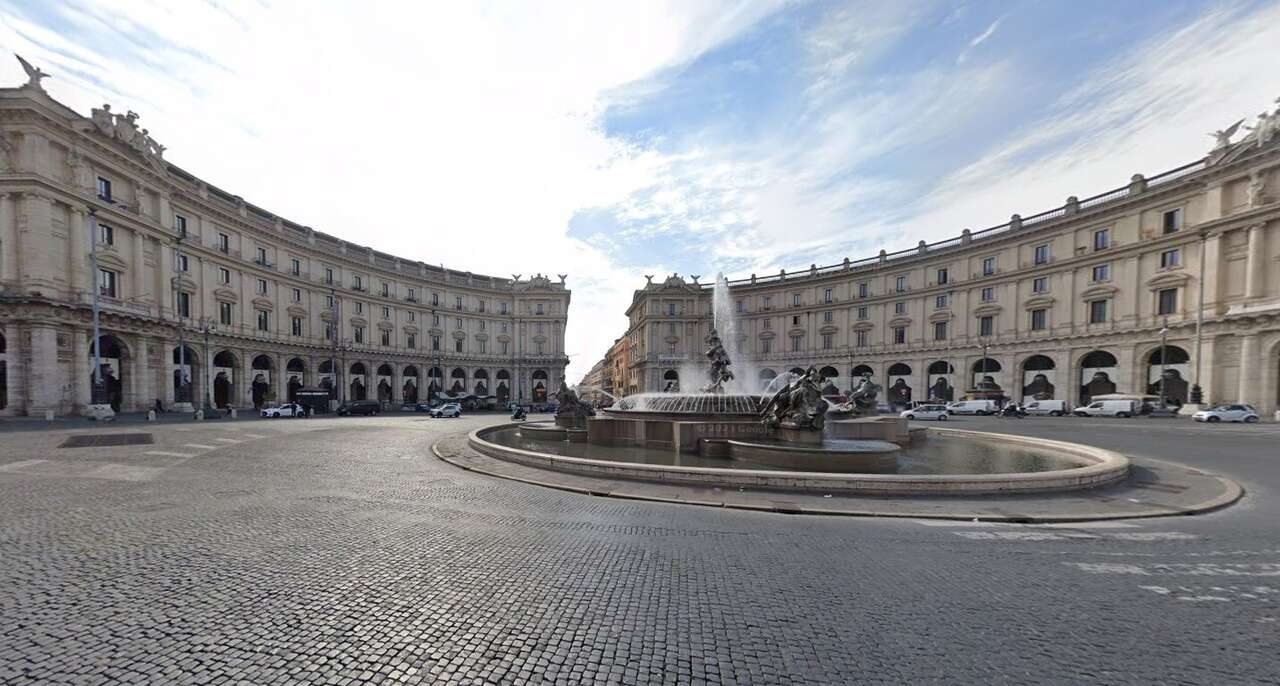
341 551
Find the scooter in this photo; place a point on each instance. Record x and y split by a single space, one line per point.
518 415
1013 411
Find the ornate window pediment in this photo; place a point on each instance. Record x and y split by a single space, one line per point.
459 334
989 309
359 321
326 315
226 295
409 328
1038 302
543 339
435 331
296 311
186 284
1101 290
504 337
795 331
386 326
829 328
261 303
1168 280
900 321
668 339
482 337
863 326
940 316
767 335
112 261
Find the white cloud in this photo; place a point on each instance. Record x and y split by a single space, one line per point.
979 40
455 133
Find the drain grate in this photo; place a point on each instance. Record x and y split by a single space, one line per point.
105 440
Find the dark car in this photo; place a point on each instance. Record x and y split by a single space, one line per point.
359 407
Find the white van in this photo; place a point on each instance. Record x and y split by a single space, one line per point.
972 407
1053 408
1108 408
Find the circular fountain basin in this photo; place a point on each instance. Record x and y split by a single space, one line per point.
951 461
867 457
687 407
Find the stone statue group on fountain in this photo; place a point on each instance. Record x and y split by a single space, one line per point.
720 374
798 405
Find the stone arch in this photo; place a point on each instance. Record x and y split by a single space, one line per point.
295 377
481 378
670 381
829 372
409 384
115 382
458 380
1039 378
226 367
941 385
540 386
1098 372
898 384
435 382
797 370
356 386
861 370
1175 365
984 373
260 386
503 388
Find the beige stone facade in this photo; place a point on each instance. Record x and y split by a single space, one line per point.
1066 304
287 306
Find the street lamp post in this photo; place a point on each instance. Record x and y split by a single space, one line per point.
206 326
184 382
1197 394
1164 362
97 391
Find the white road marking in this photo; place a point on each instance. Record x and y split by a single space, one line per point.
960 523
122 472
1223 594
249 435
200 445
166 453
1198 569
1075 535
227 440
21 465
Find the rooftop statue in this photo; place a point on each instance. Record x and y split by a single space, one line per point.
798 405
1222 137
34 74
720 374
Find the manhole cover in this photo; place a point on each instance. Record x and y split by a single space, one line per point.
105 440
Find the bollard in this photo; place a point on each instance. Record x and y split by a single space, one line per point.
199 415
234 414
151 415
48 415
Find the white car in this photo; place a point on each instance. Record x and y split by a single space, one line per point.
938 412
978 407
1227 413
285 410
447 410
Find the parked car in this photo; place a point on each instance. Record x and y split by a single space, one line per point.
447 410
1109 408
938 412
1227 413
285 410
422 407
1053 408
983 407
354 407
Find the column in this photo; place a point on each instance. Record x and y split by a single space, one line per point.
137 266
8 241
1126 373
81 369
139 388
79 267
1249 387
166 369
1255 265
164 292
43 378
34 222
397 384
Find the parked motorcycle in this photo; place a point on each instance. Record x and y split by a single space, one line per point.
1013 411
518 415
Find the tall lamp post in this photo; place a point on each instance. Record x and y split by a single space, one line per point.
207 326
98 390
1164 362
184 380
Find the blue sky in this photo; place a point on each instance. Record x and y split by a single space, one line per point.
611 140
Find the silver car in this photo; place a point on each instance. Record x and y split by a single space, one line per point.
1228 413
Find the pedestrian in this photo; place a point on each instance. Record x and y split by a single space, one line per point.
159 409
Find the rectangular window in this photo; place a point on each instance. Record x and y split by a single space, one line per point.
328 302
943 276
1101 272
106 283
260 256
899 334
1169 258
1038 319
768 324
180 225
988 294
295 326
899 308
480 345
224 243
828 316
795 321
826 296
900 284
766 346
797 344
482 325
827 340
329 334
359 307
328 276
386 312
737 305
1097 311
795 300
435 299
1101 239
1167 301
357 332
765 302
480 306
264 322
224 275
539 309
538 328
181 262
386 338
184 304
939 331
539 350
435 320
262 285
940 302
863 290
502 308
386 289
503 346
357 282
457 345
106 235
1042 254
1040 284
224 313
297 295
413 316
988 266
411 341
413 296
1172 220
860 339
986 325
104 189
435 343
863 313
295 266
457 303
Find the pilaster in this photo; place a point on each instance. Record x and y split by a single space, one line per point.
1250 364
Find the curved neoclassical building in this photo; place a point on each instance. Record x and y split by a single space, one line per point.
261 305
1066 304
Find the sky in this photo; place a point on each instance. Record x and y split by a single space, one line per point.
607 141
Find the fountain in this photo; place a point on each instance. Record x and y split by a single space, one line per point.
787 436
